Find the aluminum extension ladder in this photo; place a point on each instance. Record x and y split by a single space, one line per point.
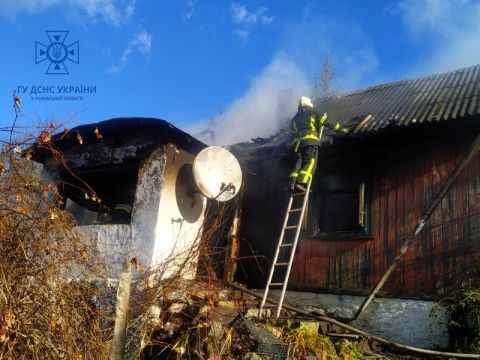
286 242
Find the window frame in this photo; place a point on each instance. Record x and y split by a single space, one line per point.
366 177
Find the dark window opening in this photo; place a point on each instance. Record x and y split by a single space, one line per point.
341 202
110 202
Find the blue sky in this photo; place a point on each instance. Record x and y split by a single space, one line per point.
201 62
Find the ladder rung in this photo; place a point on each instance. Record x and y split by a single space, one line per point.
281 264
295 210
284 245
299 193
291 227
276 284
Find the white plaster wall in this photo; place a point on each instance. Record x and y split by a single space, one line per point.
166 222
120 242
410 322
146 206
180 218
114 243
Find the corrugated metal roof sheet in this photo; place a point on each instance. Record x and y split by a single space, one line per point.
451 95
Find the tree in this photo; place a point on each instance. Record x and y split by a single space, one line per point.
322 84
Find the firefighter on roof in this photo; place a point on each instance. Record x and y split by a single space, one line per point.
305 127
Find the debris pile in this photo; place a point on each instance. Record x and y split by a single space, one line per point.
203 320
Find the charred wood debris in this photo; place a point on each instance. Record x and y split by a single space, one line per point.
209 319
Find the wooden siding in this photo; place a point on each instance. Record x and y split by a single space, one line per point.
406 176
404 183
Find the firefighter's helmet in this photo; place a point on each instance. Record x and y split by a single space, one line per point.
305 101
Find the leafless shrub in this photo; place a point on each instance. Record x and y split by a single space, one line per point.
54 298
168 301
47 304
50 307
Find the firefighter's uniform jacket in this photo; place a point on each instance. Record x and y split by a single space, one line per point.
305 127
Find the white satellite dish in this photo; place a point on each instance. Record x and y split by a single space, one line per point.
217 173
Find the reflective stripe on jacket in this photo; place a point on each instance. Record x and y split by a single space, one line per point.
305 125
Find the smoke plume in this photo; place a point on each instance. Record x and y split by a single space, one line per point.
258 113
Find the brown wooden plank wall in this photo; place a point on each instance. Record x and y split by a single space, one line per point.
405 180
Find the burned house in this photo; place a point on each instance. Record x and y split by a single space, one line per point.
369 193
140 165
370 190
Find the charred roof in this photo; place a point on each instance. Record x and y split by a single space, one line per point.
120 130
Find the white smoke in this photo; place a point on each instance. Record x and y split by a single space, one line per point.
302 47
255 113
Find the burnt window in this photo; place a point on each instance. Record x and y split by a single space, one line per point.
111 200
341 202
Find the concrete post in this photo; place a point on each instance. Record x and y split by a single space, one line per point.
117 351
